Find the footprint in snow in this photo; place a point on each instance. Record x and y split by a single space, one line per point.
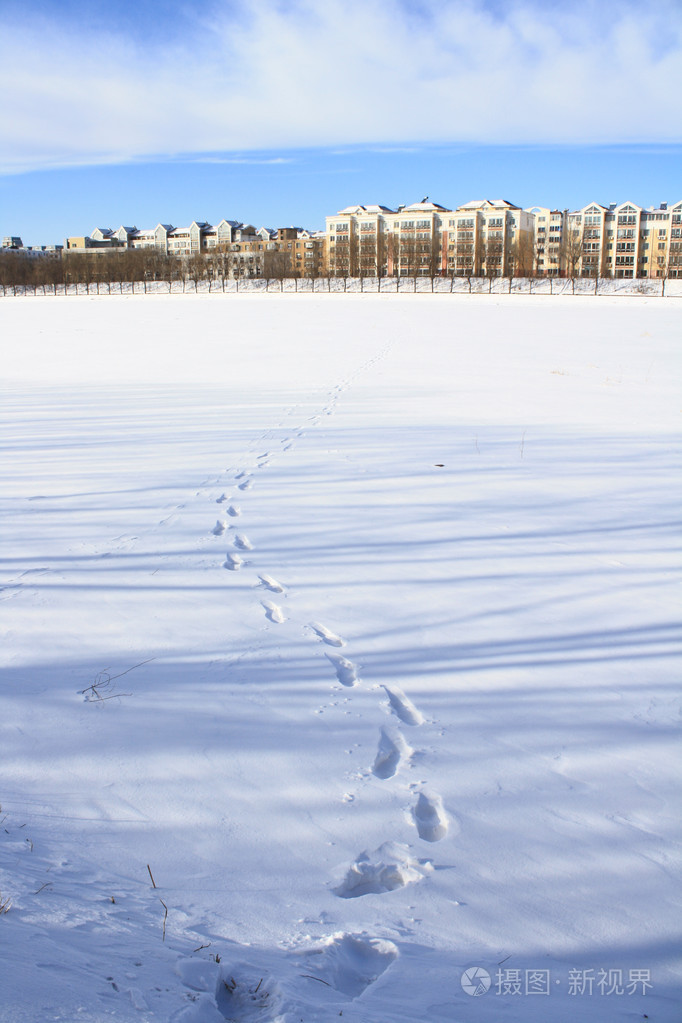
326 635
234 510
403 707
233 562
234 991
246 485
390 867
391 752
245 995
219 528
273 612
430 818
242 542
271 584
350 963
346 671
222 498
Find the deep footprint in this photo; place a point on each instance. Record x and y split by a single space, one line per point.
350 963
219 528
233 562
326 635
242 542
244 995
390 867
430 818
391 752
273 612
403 707
234 510
271 584
346 671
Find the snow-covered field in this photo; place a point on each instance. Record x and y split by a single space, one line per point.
349 623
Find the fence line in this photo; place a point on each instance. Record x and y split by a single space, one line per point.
644 287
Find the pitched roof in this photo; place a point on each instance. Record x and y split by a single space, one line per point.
427 206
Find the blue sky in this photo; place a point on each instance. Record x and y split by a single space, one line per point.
282 111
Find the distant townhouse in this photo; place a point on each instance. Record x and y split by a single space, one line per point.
234 249
14 244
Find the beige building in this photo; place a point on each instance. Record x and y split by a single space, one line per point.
357 241
376 241
624 240
489 238
426 239
415 240
549 241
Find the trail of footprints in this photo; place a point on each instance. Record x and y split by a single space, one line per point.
392 865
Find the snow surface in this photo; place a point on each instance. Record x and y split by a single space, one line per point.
349 623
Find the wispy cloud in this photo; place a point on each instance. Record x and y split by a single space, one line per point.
254 160
264 75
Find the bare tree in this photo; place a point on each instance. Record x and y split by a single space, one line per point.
194 268
436 266
494 252
276 264
571 250
521 256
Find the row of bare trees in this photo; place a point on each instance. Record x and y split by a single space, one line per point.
376 255
142 265
408 254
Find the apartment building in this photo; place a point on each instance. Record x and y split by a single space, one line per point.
491 237
415 240
357 241
550 233
376 241
624 240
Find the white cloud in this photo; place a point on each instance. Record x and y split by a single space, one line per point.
342 73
